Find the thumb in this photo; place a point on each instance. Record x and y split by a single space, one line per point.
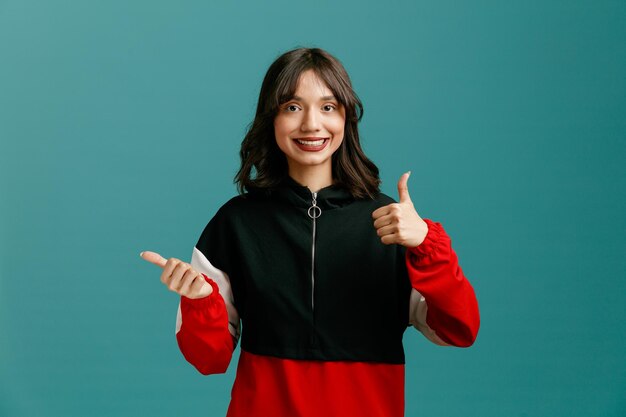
154 258
403 189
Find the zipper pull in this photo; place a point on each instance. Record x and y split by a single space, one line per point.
314 211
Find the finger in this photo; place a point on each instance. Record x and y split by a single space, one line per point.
387 230
381 211
170 265
177 275
197 284
383 221
389 239
187 281
403 189
166 276
154 258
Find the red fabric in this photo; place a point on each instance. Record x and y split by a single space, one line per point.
203 337
275 387
434 271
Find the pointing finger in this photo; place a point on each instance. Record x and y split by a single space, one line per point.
154 258
403 189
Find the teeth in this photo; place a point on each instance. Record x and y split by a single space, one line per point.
311 142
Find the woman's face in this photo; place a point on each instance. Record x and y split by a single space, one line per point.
309 128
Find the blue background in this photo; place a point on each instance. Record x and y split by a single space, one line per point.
120 125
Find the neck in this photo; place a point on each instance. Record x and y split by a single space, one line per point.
314 177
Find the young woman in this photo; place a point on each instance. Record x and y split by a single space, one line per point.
317 270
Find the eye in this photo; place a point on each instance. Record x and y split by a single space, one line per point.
329 107
291 108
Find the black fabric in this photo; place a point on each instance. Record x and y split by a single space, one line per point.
263 241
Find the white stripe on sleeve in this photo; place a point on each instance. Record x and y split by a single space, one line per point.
417 317
200 263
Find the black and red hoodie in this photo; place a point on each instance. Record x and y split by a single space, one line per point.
320 303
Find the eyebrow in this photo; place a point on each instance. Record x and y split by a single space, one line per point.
322 98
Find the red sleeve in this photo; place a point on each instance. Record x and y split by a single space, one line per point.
202 332
434 271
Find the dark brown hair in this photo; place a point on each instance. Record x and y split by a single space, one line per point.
259 151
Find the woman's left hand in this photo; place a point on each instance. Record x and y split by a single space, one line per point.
399 222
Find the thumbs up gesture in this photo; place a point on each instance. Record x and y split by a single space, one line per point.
399 222
179 276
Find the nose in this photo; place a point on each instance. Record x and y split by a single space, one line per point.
310 121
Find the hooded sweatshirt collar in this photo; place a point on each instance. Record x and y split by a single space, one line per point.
330 197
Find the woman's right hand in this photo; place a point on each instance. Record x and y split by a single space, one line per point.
179 276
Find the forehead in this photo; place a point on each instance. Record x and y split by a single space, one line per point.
310 84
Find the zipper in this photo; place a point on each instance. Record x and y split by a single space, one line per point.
314 212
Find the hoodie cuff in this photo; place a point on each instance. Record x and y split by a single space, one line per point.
432 242
204 302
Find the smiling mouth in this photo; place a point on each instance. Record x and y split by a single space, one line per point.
309 142
312 144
